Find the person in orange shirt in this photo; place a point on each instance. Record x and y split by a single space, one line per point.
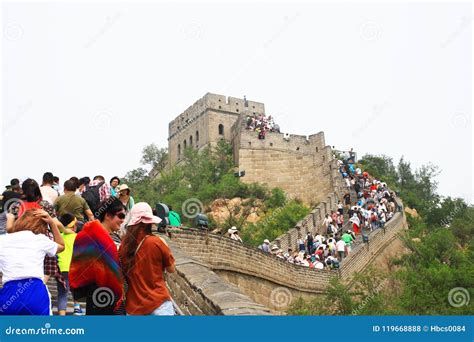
144 259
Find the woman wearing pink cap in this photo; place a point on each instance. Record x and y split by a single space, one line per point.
144 258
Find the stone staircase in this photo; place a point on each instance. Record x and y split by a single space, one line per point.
53 290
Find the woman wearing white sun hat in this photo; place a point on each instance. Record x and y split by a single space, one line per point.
144 258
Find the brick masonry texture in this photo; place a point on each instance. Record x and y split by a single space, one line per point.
257 273
302 166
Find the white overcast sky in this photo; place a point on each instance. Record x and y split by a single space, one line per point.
86 86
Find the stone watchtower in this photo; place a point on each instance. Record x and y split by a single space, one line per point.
207 121
304 167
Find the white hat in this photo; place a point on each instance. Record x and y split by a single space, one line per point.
142 212
266 241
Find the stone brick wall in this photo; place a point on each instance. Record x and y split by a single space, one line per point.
302 166
204 116
222 253
197 290
257 272
312 223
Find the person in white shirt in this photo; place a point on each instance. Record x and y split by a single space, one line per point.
318 265
234 234
47 191
22 255
341 249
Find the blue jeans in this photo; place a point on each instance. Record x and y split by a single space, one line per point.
165 309
62 292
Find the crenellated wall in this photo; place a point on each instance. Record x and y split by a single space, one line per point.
302 166
197 290
251 269
312 223
198 126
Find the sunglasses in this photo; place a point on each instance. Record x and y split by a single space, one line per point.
120 215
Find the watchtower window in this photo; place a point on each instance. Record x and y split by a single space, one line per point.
237 110
179 150
197 136
221 129
190 141
184 144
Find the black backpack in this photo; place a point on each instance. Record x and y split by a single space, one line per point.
92 197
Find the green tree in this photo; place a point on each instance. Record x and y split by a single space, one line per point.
155 157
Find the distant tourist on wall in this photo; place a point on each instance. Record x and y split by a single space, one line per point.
173 216
234 234
265 246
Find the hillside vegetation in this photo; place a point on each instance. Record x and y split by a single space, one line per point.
208 175
435 278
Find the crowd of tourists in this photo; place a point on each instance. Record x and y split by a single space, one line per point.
262 124
92 238
372 208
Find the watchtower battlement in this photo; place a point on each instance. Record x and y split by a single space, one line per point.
300 165
207 121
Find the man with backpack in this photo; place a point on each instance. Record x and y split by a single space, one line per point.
95 193
175 219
